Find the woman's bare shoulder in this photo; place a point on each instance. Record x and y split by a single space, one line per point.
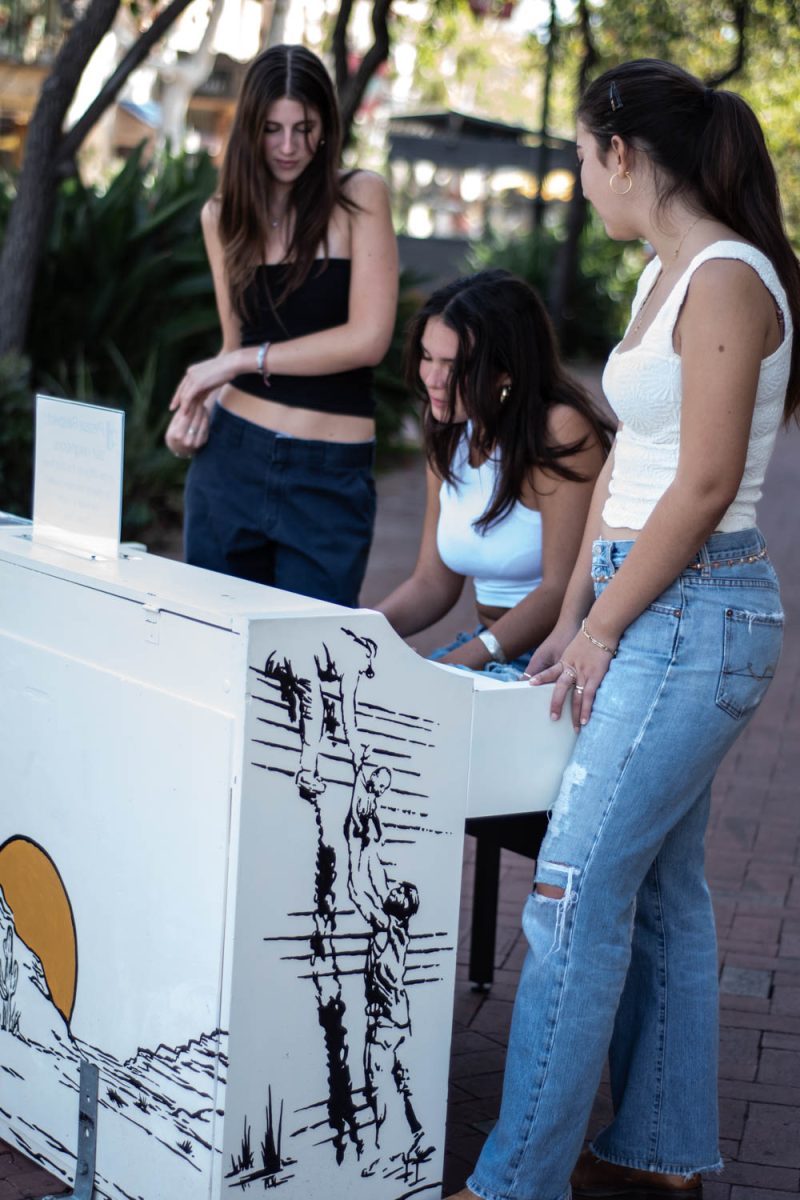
209 214
364 187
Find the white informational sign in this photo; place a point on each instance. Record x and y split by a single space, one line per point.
77 494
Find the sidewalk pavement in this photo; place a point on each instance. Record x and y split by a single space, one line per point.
753 869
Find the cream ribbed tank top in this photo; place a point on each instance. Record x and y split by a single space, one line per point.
643 386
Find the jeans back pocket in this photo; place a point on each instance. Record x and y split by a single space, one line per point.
751 647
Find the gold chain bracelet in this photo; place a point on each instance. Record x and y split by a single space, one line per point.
596 641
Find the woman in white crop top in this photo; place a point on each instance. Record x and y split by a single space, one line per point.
514 446
667 639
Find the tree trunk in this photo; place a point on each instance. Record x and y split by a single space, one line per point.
30 212
49 154
565 272
542 155
351 86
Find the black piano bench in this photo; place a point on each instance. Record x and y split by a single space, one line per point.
521 833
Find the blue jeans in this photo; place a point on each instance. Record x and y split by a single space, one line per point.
625 963
509 672
290 512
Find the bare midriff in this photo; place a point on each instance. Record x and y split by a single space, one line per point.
488 614
614 534
296 422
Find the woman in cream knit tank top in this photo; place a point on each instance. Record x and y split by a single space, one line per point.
667 639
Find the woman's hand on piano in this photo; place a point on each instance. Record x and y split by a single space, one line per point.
550 651
579 670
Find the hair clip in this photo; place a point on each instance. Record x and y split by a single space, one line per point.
613 96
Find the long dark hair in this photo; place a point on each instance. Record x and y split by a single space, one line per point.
282 72
710 149
502 329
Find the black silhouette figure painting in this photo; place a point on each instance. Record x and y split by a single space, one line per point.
361 757
387 908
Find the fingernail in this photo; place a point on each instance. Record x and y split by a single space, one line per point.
553 716
584 720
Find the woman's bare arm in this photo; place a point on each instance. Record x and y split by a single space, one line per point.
432 589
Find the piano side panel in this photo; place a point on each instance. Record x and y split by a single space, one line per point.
518 754
114 810
349 865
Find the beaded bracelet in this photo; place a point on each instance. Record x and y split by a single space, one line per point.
261 362
596 641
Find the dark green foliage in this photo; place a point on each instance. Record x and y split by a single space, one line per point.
16 436
127 268
601 300
123 302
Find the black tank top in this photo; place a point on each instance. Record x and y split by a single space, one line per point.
321 302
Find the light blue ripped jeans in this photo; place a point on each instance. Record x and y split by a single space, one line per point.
625 964
510 672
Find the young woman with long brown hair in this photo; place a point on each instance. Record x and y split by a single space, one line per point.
280 424
667 639
514 445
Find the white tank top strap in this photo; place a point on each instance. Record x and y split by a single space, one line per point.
645 285
744 252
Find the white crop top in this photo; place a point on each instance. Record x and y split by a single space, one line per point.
505 561
643 386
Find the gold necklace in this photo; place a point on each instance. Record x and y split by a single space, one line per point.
640 315
686 233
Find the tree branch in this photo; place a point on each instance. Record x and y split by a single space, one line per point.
353 93
137 53
339 46
741 11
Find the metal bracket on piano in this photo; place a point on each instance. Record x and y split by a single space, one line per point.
87 1136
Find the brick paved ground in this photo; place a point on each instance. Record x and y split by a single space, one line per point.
754 869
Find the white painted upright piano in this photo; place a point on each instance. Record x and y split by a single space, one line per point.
231 826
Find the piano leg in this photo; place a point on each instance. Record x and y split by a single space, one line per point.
522 833
484 912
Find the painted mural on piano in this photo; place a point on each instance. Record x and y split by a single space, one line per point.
327 732
159 1103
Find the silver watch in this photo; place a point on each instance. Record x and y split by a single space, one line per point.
491 643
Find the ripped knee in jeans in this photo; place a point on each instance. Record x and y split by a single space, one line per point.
556 881
550 890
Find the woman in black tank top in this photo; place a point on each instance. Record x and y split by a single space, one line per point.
280 423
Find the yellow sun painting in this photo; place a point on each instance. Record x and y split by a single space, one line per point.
43 917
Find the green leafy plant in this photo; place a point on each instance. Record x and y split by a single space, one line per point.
124 300
126 267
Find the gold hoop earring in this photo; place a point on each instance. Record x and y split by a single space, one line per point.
505 392
616 191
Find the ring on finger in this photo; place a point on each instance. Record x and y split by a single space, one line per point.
579 690
192 430
568 670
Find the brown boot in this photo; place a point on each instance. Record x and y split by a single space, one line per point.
595 1179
